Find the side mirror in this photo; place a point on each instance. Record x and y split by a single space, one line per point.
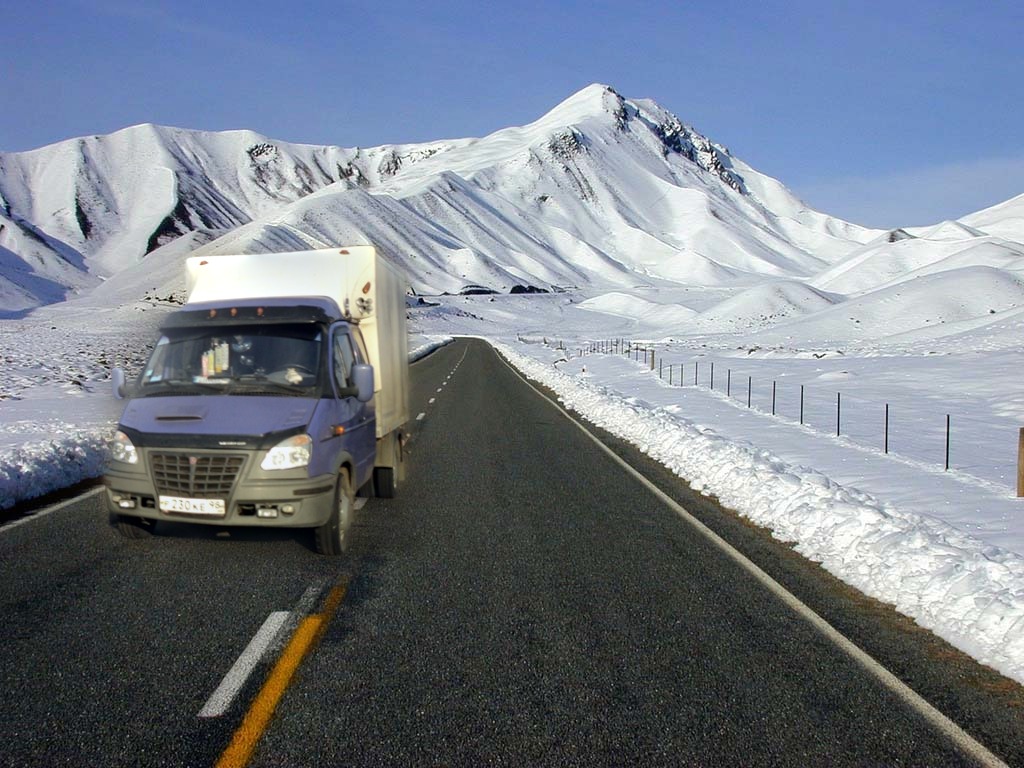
362 379
118 382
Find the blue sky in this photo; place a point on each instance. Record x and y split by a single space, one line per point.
884 113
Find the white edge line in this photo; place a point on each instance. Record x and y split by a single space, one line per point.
954 732
47 510
220 700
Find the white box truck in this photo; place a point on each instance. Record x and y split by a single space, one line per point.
275 394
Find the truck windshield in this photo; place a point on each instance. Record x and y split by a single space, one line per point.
264 359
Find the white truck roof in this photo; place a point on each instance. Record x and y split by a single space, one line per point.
347 275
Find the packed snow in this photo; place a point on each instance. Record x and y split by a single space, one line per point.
804 369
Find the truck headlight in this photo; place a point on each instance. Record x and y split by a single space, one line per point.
292 453
123 449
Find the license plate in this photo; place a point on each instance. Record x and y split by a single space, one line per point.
192 506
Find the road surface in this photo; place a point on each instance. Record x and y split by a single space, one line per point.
525 600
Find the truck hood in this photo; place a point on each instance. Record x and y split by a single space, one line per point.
242 416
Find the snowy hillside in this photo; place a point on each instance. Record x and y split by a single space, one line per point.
81 210
1003 220
600 191
603 195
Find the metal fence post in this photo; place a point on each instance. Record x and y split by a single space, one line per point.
947 442
887 428
1020 463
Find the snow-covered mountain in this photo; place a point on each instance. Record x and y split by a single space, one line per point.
611 195
601 191
83 210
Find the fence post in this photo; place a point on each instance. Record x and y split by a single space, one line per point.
670 375
696 365
839 401
728 382
947 442
712 376
773 398
652 359
801 403
749 378
887 429
1020 463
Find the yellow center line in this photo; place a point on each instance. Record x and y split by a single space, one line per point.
307 635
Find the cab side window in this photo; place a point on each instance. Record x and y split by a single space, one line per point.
361 355
343 360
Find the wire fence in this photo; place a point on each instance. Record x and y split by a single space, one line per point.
928 432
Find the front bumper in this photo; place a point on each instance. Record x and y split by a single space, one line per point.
256 497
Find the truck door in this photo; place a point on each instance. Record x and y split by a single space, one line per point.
357 418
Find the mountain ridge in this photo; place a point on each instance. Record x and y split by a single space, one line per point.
601 191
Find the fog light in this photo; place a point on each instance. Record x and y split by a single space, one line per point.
125 502
288 509
266 511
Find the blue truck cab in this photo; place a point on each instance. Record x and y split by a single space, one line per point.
269 410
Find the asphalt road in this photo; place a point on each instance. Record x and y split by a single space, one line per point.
523 601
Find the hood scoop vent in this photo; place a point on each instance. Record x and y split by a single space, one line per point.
182 417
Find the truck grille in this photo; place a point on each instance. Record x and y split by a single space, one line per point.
196 477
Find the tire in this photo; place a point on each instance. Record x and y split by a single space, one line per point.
133 527
385 479
385 482
333 536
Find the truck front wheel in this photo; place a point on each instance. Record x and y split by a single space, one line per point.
332 536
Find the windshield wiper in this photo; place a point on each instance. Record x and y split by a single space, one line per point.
219 386
262 381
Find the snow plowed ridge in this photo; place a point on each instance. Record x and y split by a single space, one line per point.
37 469
967 592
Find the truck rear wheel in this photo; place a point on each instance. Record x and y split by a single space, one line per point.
332 537
133 527
385 478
